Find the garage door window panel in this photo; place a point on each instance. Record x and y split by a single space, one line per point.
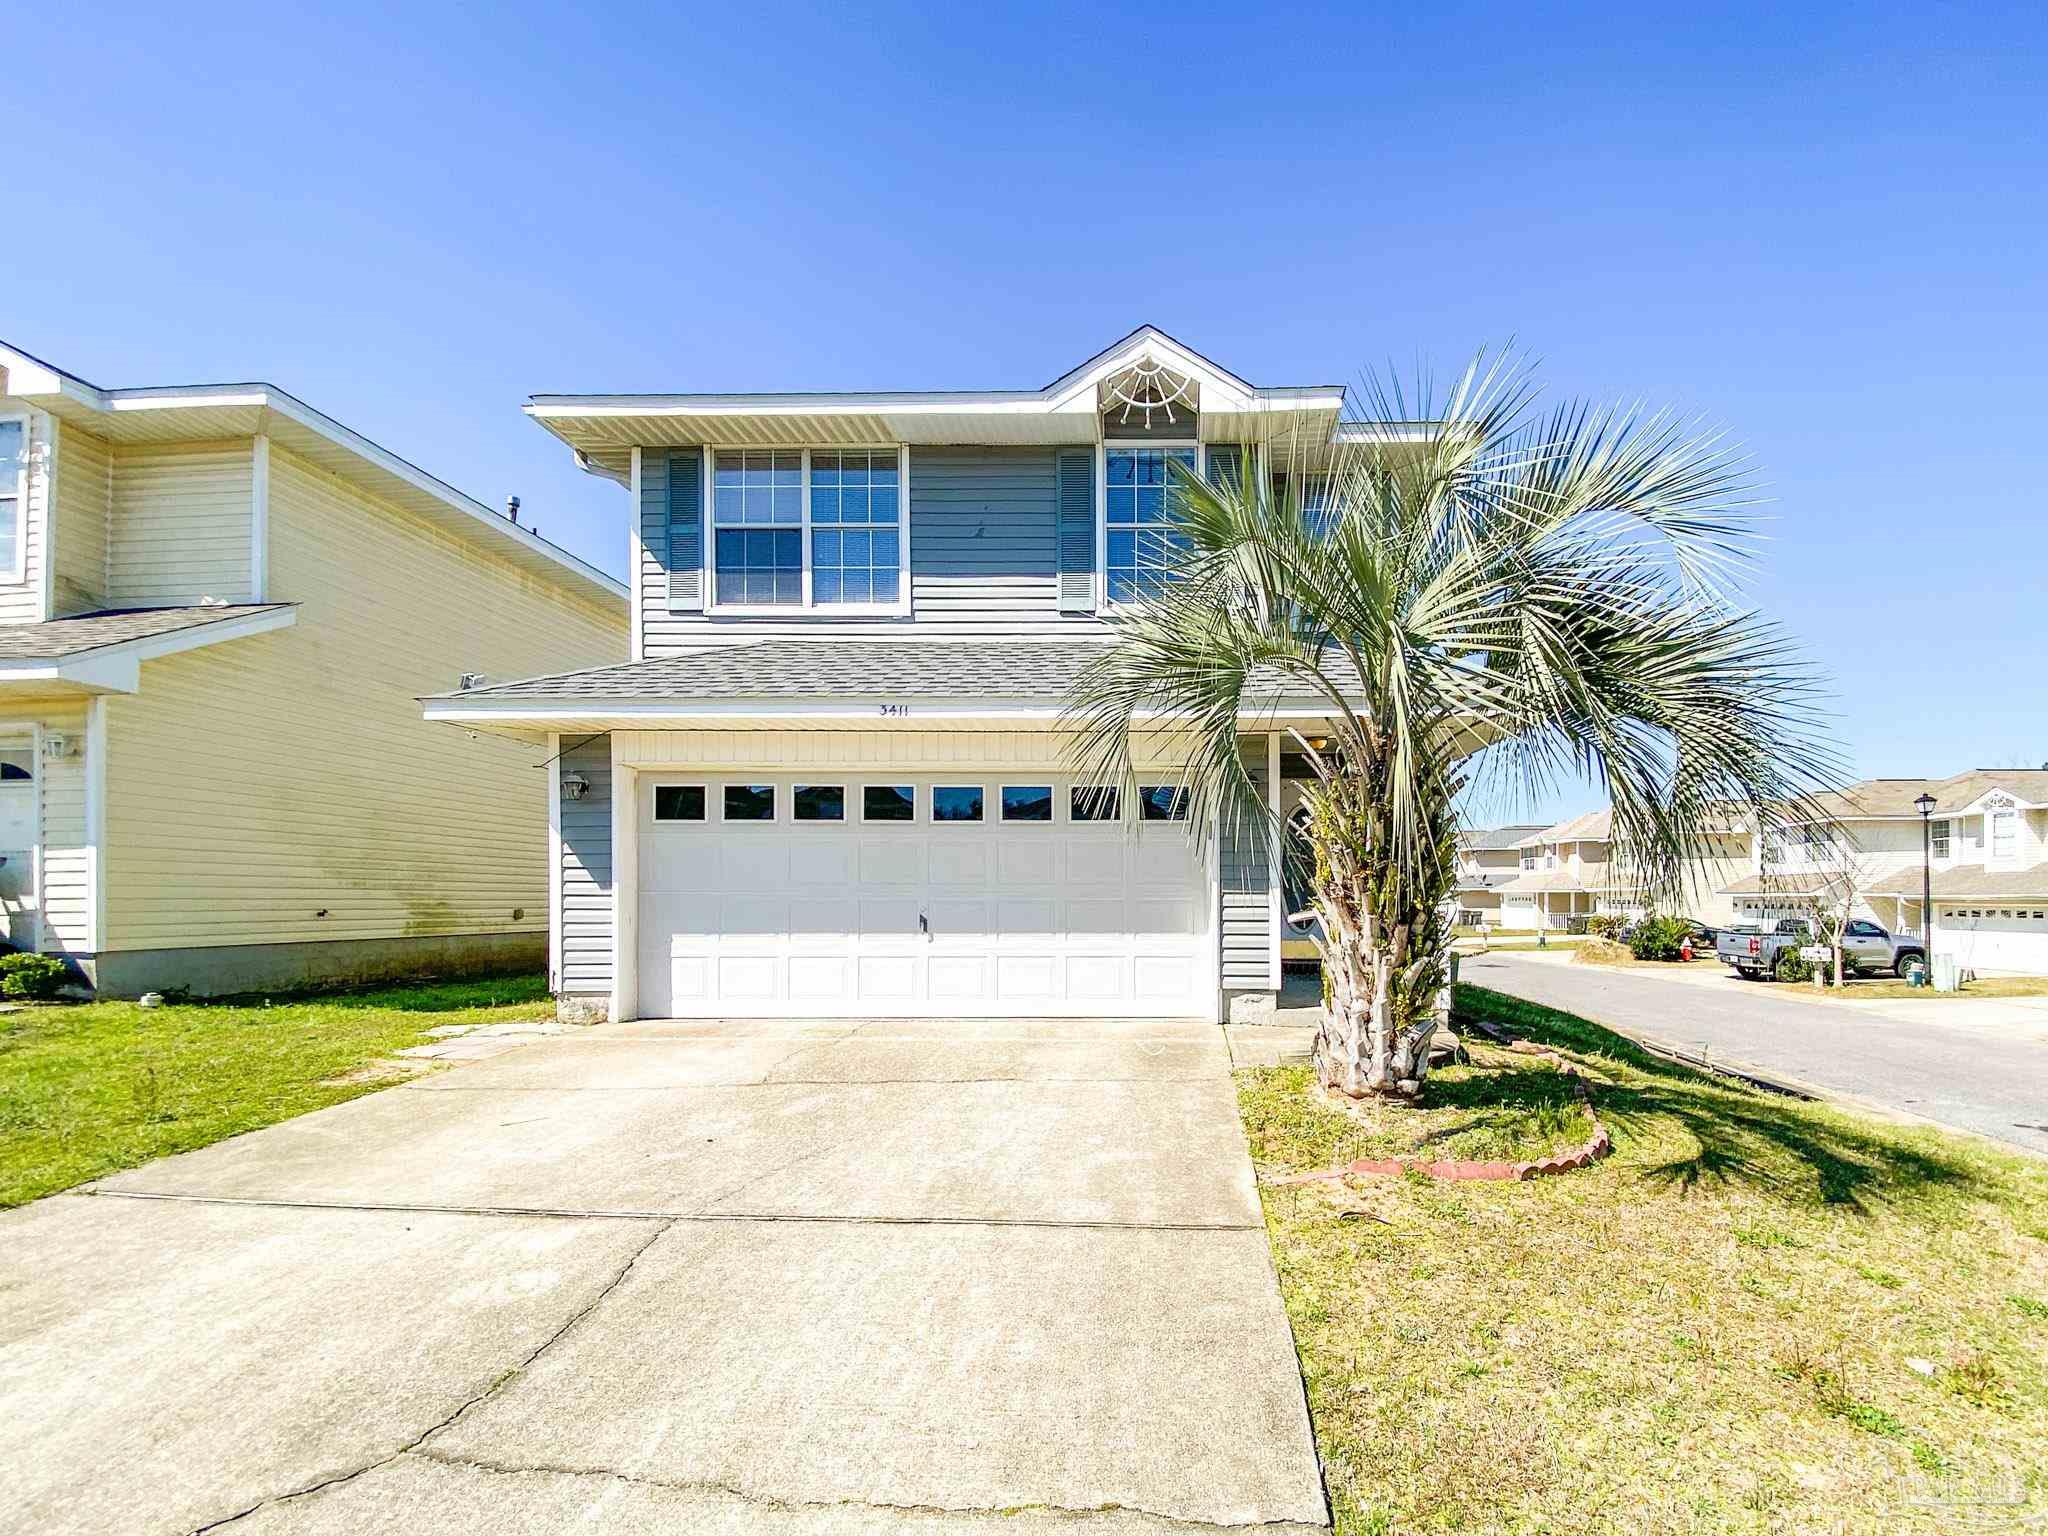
1092 802
958 804
1163 802
888 802
749 802
819 802
678 802
1027 802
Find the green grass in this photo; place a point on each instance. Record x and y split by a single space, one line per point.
88 1090
1707 1332
1867 987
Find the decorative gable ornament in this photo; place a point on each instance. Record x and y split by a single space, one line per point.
1999 802
1147 388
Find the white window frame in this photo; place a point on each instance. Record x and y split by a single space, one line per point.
1053 791
1941 838
845 817
16 574
2011 817
809 607
779 798
1103 448
931 806
659 822
917 804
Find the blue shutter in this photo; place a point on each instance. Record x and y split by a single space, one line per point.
1076 498
1221 463
685 515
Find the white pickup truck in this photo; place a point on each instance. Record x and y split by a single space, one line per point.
1865 947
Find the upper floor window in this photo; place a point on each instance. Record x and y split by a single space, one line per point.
1528 858
810 528
2005 834
1139 543
13 494
1940 839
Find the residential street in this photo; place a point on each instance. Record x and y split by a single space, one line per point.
1991 1081
937 1276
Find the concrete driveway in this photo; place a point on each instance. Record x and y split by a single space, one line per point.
904 1276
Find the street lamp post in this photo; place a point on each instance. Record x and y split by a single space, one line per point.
1925 806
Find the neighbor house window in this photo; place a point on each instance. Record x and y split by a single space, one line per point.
888 802
956 802
819 802
1027 802
750 802
679 802
1140 545
13 494
1528 858
807 528
1941 839
2005 831
856 521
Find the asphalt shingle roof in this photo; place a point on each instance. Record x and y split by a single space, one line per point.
54 639
1895 797
1498 839
822 669
1965 882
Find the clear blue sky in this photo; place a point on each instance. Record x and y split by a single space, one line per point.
1822 225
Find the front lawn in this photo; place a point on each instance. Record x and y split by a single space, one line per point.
87 1090
1868 987
1758 1315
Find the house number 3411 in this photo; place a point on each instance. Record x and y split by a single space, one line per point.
896 710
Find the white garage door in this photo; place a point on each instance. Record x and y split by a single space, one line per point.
844 894
1995 940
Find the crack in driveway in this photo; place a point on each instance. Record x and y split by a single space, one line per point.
504 1379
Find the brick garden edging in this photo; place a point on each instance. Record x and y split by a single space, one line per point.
1582 1156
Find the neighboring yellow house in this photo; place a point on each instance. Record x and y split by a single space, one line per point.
218 608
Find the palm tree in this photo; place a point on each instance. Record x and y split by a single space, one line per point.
1471 588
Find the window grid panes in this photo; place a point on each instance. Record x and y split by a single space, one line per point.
13 459
1141 544
856 528
2004 834
757 512
1941 839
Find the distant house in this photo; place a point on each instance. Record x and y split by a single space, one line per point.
217 610
1987 839
1488 859
1574 869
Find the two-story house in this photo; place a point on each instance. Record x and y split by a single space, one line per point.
1575 869
833 778
1489 859
218 608
1983 847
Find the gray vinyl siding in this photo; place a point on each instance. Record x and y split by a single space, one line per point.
984 558
586 872
1246 871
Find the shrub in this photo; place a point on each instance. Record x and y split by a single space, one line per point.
1793 966
1658 938
32 976
1606 925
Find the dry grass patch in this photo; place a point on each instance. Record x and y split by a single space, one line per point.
1758 1315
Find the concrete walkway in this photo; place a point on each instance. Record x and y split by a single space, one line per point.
903 1277
1975 1074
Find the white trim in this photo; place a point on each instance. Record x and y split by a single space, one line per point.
17 575
637 565
48 574
923 712
116 666
1276 907
1214 948
554 765
259 517
95 821
625 1002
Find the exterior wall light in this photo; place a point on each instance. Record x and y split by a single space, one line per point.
574 786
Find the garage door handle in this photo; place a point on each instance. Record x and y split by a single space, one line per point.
924 925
